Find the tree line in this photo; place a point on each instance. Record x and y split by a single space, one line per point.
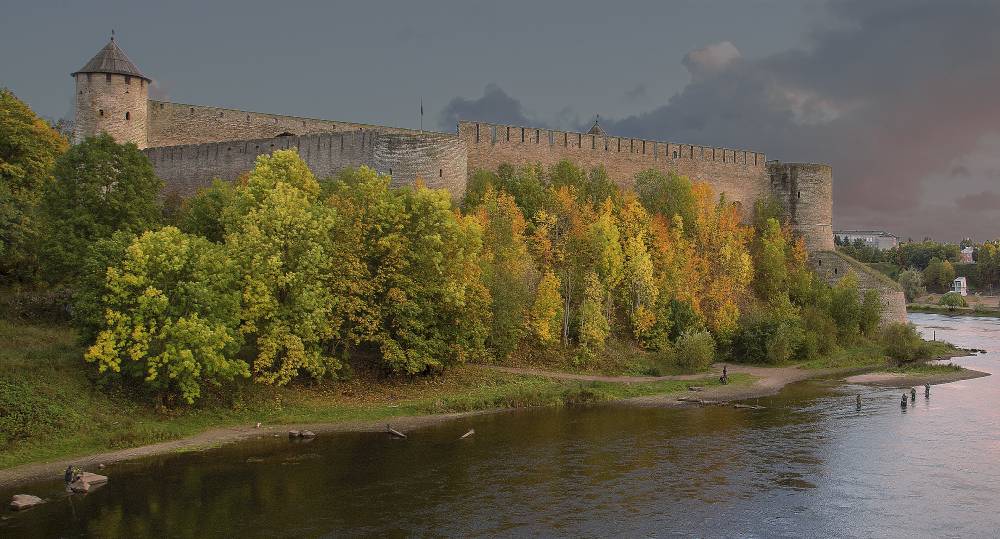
281 276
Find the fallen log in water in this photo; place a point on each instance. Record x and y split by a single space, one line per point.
394 432
749 406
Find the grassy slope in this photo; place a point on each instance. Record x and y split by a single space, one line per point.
50 408
869 355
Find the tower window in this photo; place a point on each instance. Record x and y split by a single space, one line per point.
440 172
108 77
127 117
675 154
101 112
88 77
221 114
128 80
799 194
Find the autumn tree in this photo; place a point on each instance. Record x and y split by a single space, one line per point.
508 271
544 320
423 302
172 309
594 327
280 237
28 150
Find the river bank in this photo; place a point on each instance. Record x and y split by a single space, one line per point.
55 413
747 382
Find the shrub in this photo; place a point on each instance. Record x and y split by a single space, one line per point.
912 282
695 350
953 299
902 342
819 336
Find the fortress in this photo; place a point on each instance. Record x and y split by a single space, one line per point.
189 145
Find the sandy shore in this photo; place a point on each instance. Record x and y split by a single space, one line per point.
769 381
896 379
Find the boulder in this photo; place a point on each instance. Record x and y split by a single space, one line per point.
307 434
294 434
23 501
86 481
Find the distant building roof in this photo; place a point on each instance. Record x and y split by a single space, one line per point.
111 59
865 233
597 129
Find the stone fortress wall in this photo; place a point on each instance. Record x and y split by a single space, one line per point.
190 145
439 160
175 124
741 174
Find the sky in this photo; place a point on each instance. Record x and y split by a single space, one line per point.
901 97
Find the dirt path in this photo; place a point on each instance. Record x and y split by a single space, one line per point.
556 375
768 377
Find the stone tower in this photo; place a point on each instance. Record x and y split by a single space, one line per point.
112 96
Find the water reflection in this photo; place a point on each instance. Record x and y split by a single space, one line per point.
810 463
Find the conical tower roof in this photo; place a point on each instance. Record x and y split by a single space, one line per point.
111 59
597 129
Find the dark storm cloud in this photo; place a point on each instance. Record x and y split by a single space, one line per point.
494 106
960 171
639 92
891 92
887 92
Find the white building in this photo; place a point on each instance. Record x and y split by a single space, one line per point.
959 285
878 239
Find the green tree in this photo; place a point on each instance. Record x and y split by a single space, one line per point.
172 309
424 305
100 187
203 213
770 266
280 238
939 274
91 285
609 261
28 150
912 282
507 269
667 195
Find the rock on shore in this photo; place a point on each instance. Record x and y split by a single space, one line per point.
23 501
86 480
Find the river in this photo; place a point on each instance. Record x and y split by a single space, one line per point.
809 464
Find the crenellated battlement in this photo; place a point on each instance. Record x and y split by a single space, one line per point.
501 134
